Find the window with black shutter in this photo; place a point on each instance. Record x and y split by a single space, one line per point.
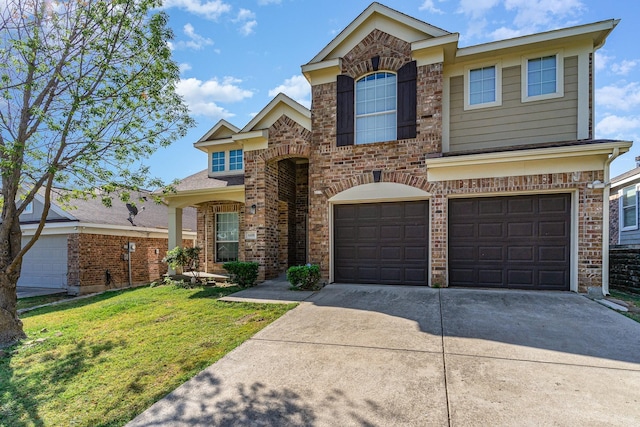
407 100
344 110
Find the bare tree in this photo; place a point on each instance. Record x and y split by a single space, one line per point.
87 91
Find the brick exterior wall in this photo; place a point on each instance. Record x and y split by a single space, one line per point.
91 256
266 171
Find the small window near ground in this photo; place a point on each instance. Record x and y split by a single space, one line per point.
542 77
227 232
217 161
376 108
235 160
629 208
483 87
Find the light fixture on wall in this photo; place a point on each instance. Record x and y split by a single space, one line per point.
597 184
377 175
252 209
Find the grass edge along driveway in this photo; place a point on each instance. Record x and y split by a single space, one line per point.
103 360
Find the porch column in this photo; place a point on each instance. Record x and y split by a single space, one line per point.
175 230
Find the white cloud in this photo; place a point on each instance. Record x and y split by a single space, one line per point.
202 97
528 16
248 27
247 21
618 127
601 60
296 88
266 2
208 9
184 67
429 6
623 68
622 96
195 42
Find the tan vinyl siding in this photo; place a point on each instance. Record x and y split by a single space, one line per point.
515 122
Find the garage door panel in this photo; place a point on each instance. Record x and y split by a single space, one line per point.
391 231
490 207
391 253
553 205
491 230
520 253
534 252
520 277
552 278
390 245
462 230
520 229
553 254
552 229
490 277
465 276
520 206
490 253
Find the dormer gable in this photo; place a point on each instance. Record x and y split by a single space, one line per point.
279 106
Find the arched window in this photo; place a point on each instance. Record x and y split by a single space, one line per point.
376 104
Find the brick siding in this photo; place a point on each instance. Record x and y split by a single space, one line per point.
96 262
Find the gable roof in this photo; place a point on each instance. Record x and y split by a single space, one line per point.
378 16
279 106
221 130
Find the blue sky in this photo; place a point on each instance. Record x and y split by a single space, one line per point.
235 56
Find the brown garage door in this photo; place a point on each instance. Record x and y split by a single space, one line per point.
510 242
383 243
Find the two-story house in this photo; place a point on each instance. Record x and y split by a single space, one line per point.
419 163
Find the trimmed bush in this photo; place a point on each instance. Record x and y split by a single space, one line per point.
244 274
304 277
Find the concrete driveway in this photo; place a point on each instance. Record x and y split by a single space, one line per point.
356 355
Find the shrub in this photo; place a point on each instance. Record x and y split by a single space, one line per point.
304 277
183 257
244 274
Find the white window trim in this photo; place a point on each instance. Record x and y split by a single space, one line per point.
217 241
467 84
621 209
524 74
227 163
355 108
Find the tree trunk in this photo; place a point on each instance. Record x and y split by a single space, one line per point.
10 244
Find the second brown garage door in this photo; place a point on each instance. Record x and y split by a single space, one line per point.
382 243
510 242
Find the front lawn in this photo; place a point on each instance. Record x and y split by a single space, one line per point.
103 360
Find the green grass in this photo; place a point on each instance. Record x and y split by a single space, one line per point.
103 360
631 298
44 299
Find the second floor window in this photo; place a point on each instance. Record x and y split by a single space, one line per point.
375 100
235 160
629 208
482 85
217 161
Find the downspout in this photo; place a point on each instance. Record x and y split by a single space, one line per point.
605 221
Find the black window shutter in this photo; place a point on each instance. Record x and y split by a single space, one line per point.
407 100
345 120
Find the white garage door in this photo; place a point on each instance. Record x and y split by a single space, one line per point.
45 264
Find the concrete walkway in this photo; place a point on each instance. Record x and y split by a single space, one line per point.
355 355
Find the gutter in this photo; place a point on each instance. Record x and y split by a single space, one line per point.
605 221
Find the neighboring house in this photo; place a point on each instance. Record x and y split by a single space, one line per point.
83 246
419 163
623 219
